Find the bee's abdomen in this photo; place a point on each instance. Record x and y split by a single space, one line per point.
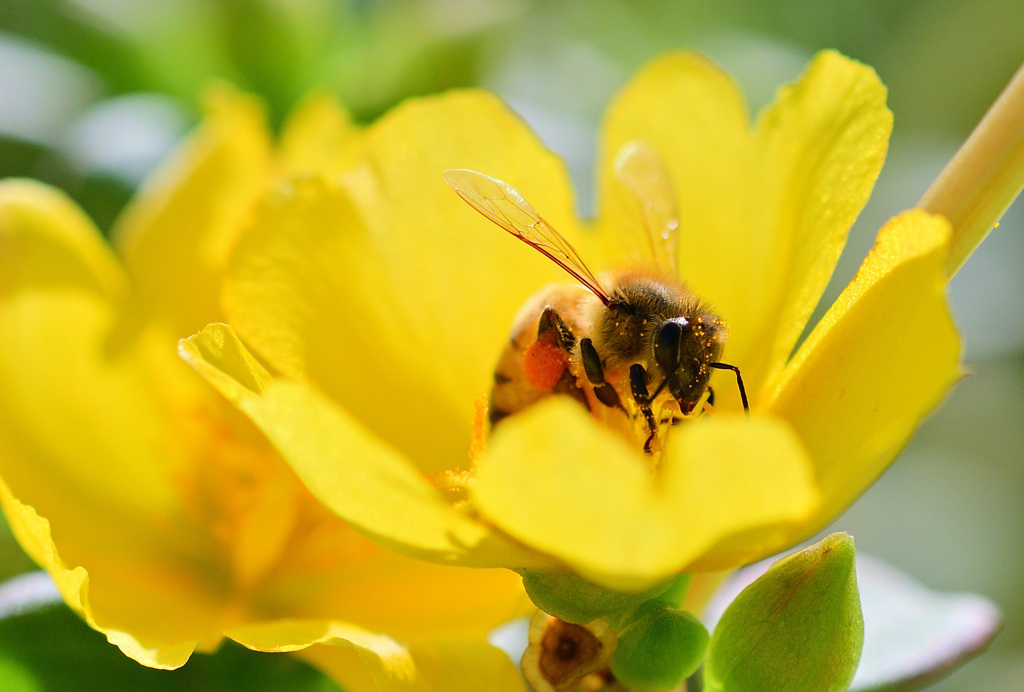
511 391
532 366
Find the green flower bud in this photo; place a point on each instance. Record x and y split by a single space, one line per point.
798 628
659 648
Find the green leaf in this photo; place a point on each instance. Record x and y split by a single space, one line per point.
659 648
571 598
914 636
798 628
45 646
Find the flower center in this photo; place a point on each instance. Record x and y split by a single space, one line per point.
563 656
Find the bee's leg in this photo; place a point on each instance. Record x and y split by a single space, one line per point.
567 385
550 321
604 391
638 386
552 328
711 396
739 381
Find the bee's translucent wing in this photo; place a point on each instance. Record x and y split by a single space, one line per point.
644 177
502 204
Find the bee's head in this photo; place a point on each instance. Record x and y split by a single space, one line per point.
683 349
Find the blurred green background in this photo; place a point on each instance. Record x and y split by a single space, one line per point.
93 93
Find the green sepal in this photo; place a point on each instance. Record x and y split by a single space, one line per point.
658 648
571 598
675 595
797 628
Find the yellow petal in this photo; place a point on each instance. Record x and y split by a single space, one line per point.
560 483
47 239
880 360
763 215
362 656
446 665
176 235
820 148
694 118
309 289
449 664
346 577
162 515
398 302
69 362
319 138
33 533
411 600
218 355
83 408
361 478
341 573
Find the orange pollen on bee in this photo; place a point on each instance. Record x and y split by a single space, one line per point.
543 364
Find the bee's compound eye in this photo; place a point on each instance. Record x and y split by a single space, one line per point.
667 343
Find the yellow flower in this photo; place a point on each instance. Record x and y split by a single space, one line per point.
381 302
165 518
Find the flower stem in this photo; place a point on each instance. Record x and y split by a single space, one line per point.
985 175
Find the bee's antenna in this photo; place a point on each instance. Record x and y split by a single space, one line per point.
739 382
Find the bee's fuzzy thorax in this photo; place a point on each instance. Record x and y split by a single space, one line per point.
645 297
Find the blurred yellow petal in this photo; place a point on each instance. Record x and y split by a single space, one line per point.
455 665
161 513
33 532
45 238
403 291
560 483
71 361
345 666
344 576
175 236
820 148
361 655
218 355
879 361
447 665
361 478
319 138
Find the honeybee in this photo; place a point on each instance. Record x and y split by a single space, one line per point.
633 345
